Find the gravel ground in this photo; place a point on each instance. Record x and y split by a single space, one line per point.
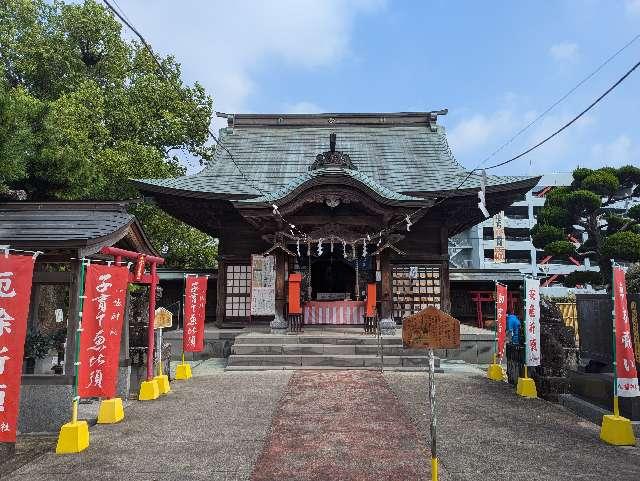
208 428
486 431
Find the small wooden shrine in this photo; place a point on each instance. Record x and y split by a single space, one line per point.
346 200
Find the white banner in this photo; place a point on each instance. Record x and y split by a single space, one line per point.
532 322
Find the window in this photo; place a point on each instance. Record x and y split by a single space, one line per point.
415 288
237 295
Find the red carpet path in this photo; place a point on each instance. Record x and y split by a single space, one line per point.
341 425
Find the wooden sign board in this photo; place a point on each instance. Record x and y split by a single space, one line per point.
162 319
431 328
263 285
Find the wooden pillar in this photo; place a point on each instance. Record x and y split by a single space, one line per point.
386 298
221 293
281 284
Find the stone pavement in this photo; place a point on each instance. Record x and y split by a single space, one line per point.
486 431
338 426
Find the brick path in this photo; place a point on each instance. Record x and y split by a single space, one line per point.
340 425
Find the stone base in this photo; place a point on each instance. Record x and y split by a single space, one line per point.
279 326
387 327
597 388
617 430
44 407
73 438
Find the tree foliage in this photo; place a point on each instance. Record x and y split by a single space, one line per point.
588 206
82 110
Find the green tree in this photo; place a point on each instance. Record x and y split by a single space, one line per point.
587 205
82 110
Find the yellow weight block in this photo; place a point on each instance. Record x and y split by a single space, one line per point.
434 469
495 372
111 411
149 390
163 383
73 438
617 430
526 388
183 371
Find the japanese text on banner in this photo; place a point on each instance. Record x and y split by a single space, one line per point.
532 322
16 273
501 317
194 305
102 318
626 373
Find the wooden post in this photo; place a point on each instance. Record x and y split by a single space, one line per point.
281 295
386 298
221 291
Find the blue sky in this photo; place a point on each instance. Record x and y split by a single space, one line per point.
494 65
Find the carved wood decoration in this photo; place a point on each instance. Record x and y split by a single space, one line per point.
333 158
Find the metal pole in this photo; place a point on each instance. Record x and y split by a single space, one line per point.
152 311
432 428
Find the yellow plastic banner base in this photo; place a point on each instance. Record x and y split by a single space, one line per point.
73 438
526 387
149 390
111 411
617 430
183 371
163 383
495 372
434 469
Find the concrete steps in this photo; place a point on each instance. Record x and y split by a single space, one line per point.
266 351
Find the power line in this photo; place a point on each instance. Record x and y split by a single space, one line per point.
559 101
572 121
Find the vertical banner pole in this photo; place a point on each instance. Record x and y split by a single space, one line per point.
432 427
76 364
616 409
152 312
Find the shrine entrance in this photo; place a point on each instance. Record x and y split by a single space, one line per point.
332 278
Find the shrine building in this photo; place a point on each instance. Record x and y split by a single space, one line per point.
345 200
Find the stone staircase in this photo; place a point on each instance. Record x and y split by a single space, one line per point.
256 351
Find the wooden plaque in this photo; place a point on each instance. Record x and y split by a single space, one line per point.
431 328
162 319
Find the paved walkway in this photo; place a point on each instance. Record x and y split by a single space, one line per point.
339 426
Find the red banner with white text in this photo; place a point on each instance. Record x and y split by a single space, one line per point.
195 299
105 293
501 317
627 375
16 273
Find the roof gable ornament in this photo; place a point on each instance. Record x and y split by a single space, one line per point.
333 157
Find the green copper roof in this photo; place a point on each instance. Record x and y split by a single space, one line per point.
334 173
395 153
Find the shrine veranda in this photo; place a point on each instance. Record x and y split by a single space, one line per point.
346 200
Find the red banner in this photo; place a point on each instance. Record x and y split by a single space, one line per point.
194 301
626 373
105 292
16 273
501 317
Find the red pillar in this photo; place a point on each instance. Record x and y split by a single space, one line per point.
152 311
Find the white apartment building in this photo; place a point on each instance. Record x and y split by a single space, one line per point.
473 248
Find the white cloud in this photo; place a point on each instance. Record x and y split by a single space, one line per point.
479 130
620 151
224 44
564 51
303 107
633 7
